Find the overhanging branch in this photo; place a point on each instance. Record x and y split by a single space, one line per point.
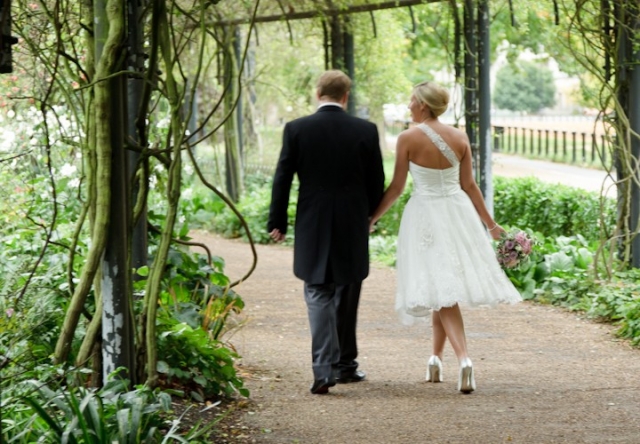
324 13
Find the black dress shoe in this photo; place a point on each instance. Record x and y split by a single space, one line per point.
321 386
355 376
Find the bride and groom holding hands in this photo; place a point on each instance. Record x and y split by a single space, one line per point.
444 256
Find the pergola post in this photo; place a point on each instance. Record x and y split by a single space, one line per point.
484 104
470 77
117 323
628 83
337 44
135 61
349 65
634 125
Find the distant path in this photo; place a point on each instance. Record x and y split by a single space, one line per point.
589 179
544 375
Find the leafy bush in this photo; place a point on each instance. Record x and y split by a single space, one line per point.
618 301
389 224
39 412
190 358
195 310
382 249
553 210
555 267
254 207
560 273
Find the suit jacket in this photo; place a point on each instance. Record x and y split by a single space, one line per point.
339 166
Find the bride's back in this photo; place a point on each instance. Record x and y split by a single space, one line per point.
422 151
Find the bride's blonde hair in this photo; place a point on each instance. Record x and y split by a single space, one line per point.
433 95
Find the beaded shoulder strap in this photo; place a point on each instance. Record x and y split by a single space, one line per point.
440 143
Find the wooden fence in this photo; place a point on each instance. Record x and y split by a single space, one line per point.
571 147
565 146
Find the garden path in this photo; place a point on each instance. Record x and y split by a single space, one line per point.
544 375
586 178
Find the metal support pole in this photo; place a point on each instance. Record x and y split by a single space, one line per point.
634 124
349 64
470 78
135 61
337 46
484 58
117 324
621 80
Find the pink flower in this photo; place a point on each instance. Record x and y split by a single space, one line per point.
9 312
513 248
511 263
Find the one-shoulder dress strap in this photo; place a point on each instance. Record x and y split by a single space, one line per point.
440 143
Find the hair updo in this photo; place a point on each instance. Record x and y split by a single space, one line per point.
434 96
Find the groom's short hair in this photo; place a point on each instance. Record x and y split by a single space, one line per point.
333 84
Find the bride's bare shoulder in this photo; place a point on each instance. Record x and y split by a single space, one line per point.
457 134
410 134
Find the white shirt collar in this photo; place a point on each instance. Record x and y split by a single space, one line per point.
330 104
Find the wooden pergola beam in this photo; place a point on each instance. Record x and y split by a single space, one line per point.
325 13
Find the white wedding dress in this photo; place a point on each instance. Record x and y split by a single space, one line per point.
444 253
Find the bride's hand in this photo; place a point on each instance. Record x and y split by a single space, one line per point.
372 225
496 232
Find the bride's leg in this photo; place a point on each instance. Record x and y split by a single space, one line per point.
452 323
439 335
434 365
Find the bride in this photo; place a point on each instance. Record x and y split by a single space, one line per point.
444 254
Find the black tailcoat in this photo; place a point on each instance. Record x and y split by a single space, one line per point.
339 166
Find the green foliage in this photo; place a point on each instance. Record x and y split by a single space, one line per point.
50 412
553 210
560 272
524 86
556 271
196 309
618 301
389 224
431 40
382 249
254 206
191 359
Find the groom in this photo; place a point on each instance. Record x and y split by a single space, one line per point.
339 166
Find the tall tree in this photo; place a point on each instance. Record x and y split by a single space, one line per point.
524 86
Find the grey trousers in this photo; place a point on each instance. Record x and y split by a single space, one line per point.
333 312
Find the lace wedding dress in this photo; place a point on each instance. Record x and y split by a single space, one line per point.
444 253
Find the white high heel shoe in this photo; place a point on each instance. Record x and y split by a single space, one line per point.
434 369
466 381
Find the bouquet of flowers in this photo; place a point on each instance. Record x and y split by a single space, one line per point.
514 247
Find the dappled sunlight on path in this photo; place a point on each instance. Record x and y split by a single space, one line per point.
544 375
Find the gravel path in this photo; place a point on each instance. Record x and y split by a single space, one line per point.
589 179
544 375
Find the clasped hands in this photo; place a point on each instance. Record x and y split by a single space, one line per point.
276 235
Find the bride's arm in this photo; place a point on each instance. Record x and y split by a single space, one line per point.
399 179
468 184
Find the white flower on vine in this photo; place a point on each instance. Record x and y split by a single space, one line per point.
68 170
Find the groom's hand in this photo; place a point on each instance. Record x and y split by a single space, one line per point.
276 235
